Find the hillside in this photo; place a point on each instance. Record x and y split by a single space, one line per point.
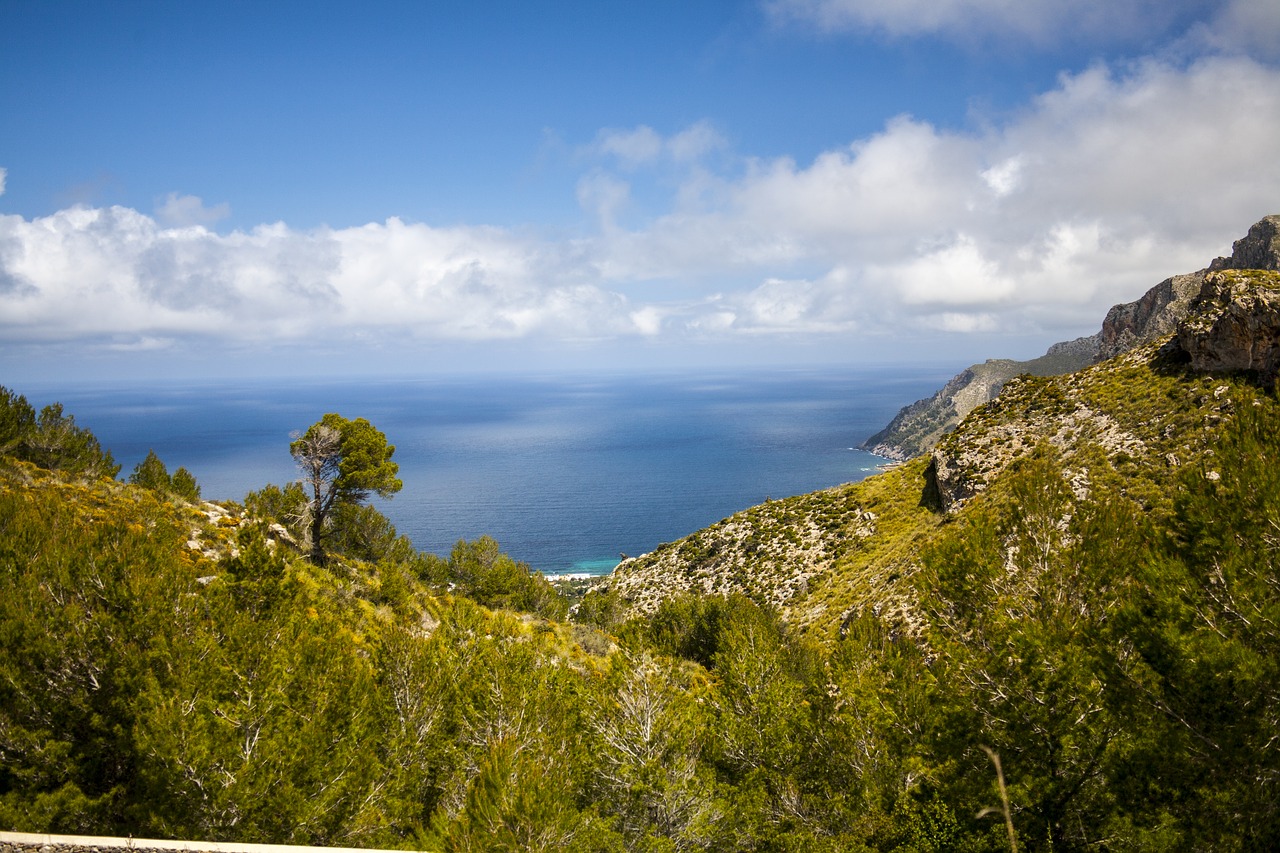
1086 547
1082 581
920 425
1138 418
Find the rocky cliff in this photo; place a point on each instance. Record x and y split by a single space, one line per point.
919 426
1231 327
1234 323
1134 423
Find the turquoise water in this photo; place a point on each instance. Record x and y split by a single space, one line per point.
567 473
594 567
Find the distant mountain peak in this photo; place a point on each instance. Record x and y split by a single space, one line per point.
1156 314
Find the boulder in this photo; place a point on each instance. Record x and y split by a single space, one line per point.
1234 323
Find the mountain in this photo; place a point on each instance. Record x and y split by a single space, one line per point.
1075 593
1058 630
1149 410
919 426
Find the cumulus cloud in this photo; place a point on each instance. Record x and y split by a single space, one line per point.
180 210
1248 26
113 272
4 173
643 146
957 274
1115 178
1042 223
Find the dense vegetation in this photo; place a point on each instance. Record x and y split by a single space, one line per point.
1105 621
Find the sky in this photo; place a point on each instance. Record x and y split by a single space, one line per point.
194 190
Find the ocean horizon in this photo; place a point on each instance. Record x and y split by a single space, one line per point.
567 473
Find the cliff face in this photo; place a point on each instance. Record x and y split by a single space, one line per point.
1234 323
1257 250
1153 316
1231 326
918 427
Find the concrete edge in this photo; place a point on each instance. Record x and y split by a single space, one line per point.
38 840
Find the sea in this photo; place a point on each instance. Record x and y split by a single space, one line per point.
568 472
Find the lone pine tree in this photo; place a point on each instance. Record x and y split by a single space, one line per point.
342 462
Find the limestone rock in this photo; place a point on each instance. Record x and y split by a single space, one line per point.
917 428
1153 316
1234 324
770 551
1257 250
958 470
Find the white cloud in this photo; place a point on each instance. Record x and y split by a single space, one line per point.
1242 26
1040 21
644 146
4 173
632 148
142 344
183 210
900 179
1003 178
695 142
603 195
966 324
1097 189
648 320
953 275
114 272
1093 193
1189 27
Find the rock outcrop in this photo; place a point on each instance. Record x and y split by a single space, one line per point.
1234 324
1257 250
917 428
1153 316
770 551
960 469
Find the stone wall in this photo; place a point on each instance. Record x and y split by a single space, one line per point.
25 842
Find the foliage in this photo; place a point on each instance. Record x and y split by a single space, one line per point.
1101 617
285 506
480 571
1204 623
52 440
342 462
151 473
17 421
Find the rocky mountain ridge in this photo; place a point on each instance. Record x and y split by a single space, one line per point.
1231 326
919 426
1138 419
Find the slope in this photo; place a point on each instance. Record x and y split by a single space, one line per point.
920 425
1133 422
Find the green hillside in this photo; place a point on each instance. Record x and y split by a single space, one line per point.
1081 582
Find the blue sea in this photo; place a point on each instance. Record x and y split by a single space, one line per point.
567 473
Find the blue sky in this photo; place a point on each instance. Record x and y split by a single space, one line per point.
201 189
